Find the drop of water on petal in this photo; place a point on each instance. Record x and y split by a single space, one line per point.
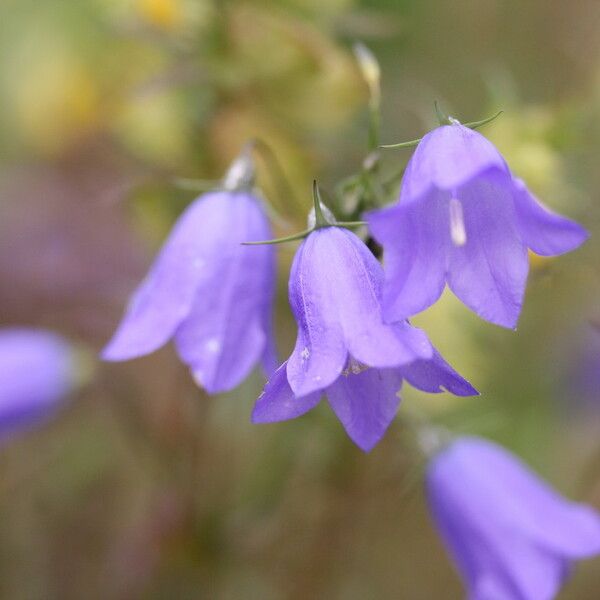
458 232
213 345
305 353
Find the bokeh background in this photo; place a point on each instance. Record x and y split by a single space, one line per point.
144 487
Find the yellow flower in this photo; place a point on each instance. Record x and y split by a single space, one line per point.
165 14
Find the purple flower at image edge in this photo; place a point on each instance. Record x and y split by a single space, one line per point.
463 220
209 293
37 374
344 349
511 535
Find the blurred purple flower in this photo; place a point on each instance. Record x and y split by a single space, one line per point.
462 219
37 374
510 534
209 293
344 348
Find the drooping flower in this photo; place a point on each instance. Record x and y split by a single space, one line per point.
37 373
464 220
511 536
343 348
209 293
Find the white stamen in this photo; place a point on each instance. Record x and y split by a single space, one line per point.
458 232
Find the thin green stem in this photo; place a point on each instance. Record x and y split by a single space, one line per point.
410 144
281 181
442 117
281 240
471 125
320 220
477 124
350 224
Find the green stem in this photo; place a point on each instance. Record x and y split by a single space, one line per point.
320 220
477 124
281 240
471 125
350 224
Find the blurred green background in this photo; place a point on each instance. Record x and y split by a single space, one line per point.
145 487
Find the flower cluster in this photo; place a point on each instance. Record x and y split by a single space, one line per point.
461 219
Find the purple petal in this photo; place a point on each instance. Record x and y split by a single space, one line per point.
366 403
436 375
415 238
358 298
320 352
278 403
468 500
187 259
488 273
446 159
566 528
335 293
37 374
224 334
488 566
545 232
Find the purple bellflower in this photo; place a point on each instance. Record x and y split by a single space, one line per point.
464 220
37 373
344 349
209 293
511 536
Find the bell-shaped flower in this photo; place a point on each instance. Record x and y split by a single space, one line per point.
510 534
209 293
463 220
38 372
344 349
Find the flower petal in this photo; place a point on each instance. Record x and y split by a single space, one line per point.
37 374
415 240
561 526
224 335
320 352
357 279
278 403
488 273
366 403
545 232
446 159
436 375
492 551
165 298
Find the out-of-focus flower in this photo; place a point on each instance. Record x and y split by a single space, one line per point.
49 68
209 293
154 127
509 533
37 373
165 14
462 219
344 348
